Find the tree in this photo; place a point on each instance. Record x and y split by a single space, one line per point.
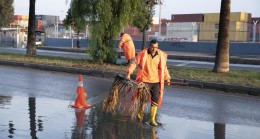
77 23
75 19
31 48
107 18
222 52
144 18
6 12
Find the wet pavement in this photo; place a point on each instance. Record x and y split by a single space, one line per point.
35 104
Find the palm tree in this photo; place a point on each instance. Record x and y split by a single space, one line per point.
31 48
222 52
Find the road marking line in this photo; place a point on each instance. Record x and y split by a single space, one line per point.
183 64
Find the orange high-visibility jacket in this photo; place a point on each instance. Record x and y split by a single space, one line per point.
127 44
162 69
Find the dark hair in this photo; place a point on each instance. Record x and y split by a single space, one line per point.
153 41
122 34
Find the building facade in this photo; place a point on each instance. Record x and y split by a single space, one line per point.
238 28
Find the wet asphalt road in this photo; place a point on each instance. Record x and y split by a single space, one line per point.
186 112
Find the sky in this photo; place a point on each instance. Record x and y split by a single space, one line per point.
169 7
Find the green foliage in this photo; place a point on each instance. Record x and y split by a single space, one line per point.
108 18
6 12
143 18
101 48
77 22
68 19
75 18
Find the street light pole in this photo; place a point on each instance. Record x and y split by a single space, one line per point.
192 32
57 27
254 31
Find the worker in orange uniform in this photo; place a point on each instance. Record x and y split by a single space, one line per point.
152 70
126 42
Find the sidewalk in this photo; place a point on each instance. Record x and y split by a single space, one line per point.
237 59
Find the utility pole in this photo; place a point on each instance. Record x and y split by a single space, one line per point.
254 30
56 27
192 32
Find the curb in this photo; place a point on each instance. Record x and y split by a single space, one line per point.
97 73
234 60
65 49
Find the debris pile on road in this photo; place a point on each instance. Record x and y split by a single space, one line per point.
121 91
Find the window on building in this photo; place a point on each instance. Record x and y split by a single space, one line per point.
216 35
216 26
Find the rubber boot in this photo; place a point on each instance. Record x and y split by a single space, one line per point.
140 114
152 114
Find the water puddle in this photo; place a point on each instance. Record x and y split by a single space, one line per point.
46 118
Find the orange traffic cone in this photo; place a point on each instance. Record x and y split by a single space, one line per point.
80 101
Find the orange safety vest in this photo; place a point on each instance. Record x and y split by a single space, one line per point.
127 44
163 71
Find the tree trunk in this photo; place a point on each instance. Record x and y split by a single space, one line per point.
31 48
222 52
78 46
144 40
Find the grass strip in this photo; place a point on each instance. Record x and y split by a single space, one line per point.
238 77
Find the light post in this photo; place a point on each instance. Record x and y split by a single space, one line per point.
192 32
56 27
18 33
254 30
55 30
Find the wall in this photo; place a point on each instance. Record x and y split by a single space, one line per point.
197 47
60 42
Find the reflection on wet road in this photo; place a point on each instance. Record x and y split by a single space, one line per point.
34 104
23 117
